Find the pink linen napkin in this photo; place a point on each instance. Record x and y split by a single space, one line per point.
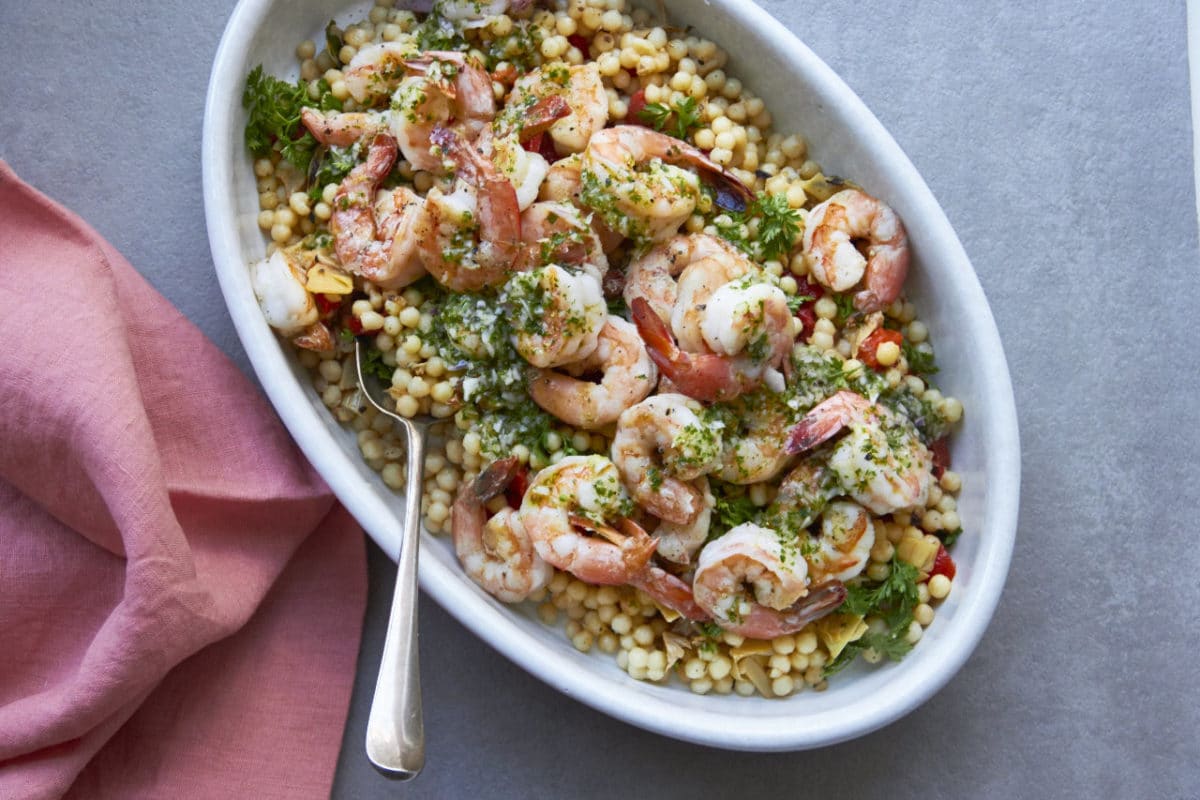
181 597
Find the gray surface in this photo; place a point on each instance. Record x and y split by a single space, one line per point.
1059 144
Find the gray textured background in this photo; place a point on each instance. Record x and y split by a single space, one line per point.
1059 143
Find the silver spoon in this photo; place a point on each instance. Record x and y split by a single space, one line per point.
395 730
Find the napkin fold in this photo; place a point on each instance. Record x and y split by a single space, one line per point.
181 597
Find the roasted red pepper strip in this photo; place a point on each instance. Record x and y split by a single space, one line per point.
869 346
637 101
943 564
807 313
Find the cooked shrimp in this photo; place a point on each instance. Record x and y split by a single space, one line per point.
844 546
701 264
342 128
562 236
634 179
563 184
556 315
680 542
628 375
376 70
660 447
665 589
475 240
751 586
829 239
708 376
653 275
880 462
582 89
449 90
841 550
524 170
577 495
496 553
279 286
377 240
755 428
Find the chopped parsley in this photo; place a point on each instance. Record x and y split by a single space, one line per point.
332 165
892 600
778 227
845 306
273 116
373 365
678 120
438 33
920 359
732 507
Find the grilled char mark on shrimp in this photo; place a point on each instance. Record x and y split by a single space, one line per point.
496 552
829 239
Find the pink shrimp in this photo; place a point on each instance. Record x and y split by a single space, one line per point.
750 586
376 241
476 237
576 496
496 552
341 129
708 376
881 462
666 589
829 239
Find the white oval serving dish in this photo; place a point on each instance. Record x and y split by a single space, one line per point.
846 139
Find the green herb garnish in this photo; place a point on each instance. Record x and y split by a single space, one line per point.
778 227
678 120
273 109
892 600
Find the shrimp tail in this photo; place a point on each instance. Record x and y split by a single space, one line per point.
670 591
767 623
732 194
635 544
499 214
542 114
496 478
704 376
823 421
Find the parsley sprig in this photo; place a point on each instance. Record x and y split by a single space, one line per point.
678 120
893 600
778 227
273 109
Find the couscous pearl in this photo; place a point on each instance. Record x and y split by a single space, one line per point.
923 614
407 406
939 587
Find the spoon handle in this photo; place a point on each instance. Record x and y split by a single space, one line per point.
395 730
